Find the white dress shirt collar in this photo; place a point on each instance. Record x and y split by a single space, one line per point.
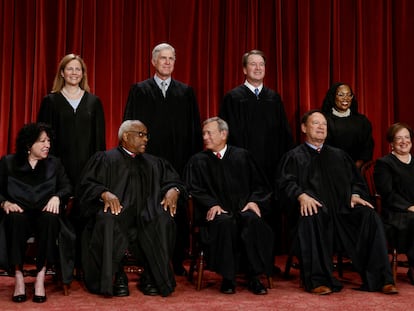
251 87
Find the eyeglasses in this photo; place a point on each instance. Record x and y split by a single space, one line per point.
343 95
140 134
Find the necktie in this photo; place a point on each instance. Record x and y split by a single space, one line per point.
318 150
256 92
133 155
218 155
164 88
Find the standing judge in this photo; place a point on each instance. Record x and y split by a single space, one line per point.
347 128
231 196
130 199
169 108
322 184
77 118
256 116
258 122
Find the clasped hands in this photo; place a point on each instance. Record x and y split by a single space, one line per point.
217 210
111 202
309 205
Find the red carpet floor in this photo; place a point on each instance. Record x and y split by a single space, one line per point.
285 295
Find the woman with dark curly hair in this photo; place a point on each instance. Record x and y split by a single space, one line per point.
347 128
33 189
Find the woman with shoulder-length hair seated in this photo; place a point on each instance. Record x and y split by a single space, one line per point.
394 181
33 189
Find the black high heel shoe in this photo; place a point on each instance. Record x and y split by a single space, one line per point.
37 298
20 298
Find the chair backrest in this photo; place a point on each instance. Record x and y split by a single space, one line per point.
367 171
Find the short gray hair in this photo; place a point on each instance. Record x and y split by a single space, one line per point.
160 47
126 126
222 125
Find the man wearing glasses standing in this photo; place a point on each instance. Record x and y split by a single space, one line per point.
130 199
170 110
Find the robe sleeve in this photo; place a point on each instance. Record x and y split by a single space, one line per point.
63 185
93 183
384 180
194 177
99 126
288 186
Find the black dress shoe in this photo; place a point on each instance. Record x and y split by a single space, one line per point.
120 287
256 287
149 290
39 299
227 287
19 298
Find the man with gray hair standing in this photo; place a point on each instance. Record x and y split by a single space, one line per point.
170 110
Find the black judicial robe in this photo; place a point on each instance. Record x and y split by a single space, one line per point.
31 189
78 135
331 177
259 125
231 182
173 122
352 134
140 184
394 181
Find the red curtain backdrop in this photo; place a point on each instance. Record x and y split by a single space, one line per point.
309 45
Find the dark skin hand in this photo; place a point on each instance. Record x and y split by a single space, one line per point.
170 201
112 204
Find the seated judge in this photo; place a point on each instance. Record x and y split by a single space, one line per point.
323 186
130 199
230 194
33 190
394 181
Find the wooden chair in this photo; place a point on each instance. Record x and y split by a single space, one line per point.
367 171
196 251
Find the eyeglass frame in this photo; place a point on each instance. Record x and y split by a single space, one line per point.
140 134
